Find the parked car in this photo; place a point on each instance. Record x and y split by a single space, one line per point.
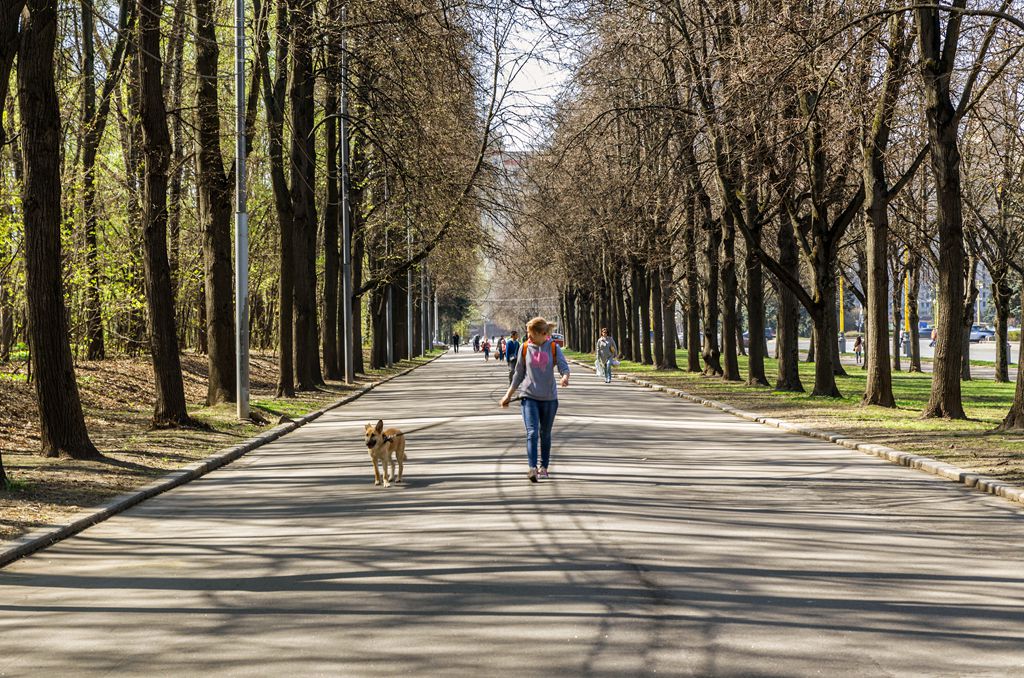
979 333
769 334
559 339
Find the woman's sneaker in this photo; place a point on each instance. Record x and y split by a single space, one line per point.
543 473
532 475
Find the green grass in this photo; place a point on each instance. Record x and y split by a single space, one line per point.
971 443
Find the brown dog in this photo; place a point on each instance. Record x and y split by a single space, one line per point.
381 444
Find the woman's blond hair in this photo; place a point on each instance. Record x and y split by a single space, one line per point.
540 326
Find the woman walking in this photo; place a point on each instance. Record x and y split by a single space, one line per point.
486 348
606 353
535 381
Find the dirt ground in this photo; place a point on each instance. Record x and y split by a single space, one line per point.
117 396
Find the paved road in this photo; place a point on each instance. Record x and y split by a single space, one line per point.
673 540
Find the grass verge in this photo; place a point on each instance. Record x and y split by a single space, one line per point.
971 444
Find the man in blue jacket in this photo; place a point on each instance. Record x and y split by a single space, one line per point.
512 349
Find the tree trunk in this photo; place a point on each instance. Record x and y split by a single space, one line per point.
1014 420
62 423
332 212
1001 295
971 284
378 328
693 353
215 192
6 321
643 304
787 340
824 376
303 181
913 314
636 351
878 390
943 127
897 312
358 247
669 335
399 312
658 319
710 351
173 73
731 368
169 408
624 338
274 101
755 312
93 309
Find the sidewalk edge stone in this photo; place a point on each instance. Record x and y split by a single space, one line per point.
935 467
39 539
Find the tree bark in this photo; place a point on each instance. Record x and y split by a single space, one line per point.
669 335
302 183
1014 420
971 285
878 388
174 70
358 247
787 340
1001 295
215 193
643 304
937 61
658 319
61 420
625 325
731 367
274 91
332 212
914 274
755 311
90 145
897 310
693 353
169 409
710 351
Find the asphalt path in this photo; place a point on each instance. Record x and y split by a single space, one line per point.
671 540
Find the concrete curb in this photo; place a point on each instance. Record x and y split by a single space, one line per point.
927 464
37 540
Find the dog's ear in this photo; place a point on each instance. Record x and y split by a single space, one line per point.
380 425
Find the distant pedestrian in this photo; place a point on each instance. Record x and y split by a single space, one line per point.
935 336
858 348
606 353
476 343
535 381
501 347
512 354
455 342
486 348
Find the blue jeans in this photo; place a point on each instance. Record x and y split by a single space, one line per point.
539 417
608 371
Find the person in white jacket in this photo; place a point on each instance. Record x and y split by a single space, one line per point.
607 351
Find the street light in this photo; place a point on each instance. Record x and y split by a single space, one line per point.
241 225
